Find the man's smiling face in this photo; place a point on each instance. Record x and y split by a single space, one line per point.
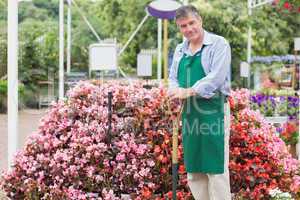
190 27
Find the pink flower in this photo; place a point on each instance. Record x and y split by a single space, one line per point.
120 157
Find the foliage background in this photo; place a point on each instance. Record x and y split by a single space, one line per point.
273 32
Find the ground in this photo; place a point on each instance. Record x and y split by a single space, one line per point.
28 123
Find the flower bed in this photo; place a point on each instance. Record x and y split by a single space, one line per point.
260 160
71 157
279 103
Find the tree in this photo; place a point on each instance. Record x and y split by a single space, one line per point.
38 53
273 32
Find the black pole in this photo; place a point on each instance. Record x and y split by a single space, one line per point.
175 158
108 136
174 179
175 152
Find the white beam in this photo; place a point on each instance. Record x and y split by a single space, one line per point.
61 49
69 39
86 21
257 3
251 5
134 33
12 71
249 49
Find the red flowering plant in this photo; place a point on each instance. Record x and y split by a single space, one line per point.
289 132
288 5
259 160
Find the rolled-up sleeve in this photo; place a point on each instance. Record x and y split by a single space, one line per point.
173 81
219 70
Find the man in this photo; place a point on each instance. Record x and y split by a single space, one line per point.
200 76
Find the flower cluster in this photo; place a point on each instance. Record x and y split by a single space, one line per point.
81 151
271 105
289 5
259 160
276 194
289 133
74 155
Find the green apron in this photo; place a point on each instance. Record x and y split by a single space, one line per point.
202 122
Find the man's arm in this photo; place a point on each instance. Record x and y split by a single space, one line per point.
207 86
173 81
174 90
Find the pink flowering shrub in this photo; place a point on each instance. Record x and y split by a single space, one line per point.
72 157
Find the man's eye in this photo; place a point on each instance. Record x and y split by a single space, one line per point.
191 23
183 26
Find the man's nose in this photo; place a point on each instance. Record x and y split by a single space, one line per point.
188 27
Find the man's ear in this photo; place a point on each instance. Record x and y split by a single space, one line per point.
200 20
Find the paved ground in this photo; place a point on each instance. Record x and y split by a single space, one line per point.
28 122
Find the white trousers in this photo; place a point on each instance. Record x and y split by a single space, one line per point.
214 186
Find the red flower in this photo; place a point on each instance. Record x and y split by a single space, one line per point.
181 169
169 194
164 160
146 193
163 170
287 5
157 149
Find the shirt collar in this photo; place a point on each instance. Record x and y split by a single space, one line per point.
207 40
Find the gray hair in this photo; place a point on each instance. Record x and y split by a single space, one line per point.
185 11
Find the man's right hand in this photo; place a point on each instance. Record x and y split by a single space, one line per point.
180 93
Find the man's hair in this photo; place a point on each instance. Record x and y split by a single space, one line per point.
185 11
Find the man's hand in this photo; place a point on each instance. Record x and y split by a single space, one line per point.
181 93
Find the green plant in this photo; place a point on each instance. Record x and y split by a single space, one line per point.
3 94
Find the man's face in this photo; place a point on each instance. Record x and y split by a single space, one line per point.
190 27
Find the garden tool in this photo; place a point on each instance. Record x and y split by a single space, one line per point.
175 128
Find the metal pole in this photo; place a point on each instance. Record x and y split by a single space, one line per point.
159 45
249 45
129 40
86 21
251 5
12 77
108 136
69 37
165 51
133 34
61 49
